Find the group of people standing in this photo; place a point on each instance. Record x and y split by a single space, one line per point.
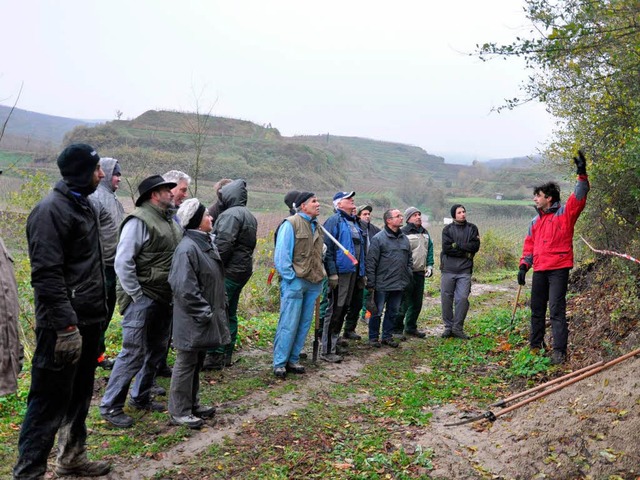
354 268
176 269
174 277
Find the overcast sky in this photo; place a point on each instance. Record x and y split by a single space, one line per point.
394 71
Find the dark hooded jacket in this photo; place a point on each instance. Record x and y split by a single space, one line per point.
199 300
236 231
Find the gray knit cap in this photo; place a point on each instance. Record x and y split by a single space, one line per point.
409 212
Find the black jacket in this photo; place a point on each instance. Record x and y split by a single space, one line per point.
460 243
66 261
389 262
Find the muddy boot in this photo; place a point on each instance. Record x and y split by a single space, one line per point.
213 361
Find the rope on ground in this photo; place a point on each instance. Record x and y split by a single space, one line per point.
609 252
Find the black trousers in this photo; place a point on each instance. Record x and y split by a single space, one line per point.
58 402
549 287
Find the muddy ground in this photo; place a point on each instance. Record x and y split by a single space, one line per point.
586 430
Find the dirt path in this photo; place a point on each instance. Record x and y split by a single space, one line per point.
255 407
588 430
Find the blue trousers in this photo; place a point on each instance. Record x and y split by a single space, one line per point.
297 302
392 301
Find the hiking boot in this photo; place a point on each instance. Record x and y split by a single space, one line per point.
352 335
375 343
190 421
213 361
415 333
303 355
558 357
331 358
446 334
342 342
117 418
390 342
294 368
342 350
460 335
280 372
158 391
150 406
399 337
164 371
85 469
204 411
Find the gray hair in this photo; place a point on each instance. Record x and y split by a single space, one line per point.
176 176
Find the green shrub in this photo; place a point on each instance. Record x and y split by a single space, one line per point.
496 252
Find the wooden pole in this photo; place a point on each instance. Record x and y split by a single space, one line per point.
504 401
571 381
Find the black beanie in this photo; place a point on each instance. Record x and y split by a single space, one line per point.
454 208
77 164
303 197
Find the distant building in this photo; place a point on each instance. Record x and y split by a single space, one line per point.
499 196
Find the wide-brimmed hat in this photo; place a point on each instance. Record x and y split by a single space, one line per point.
150 184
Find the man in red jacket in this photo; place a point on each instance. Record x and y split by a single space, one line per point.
548 248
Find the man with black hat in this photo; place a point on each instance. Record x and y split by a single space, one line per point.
148 238
111 213
422 255
70 301
298 259
342 272
460 243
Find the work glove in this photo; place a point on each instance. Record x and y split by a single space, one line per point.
521 274
68 346
371 306
581 163
429 271
333 281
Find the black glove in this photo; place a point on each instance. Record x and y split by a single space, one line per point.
521 274
581 163
371 306
68 347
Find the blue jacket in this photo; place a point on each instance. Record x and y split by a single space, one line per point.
344 228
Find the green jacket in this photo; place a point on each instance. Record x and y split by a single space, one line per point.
153 263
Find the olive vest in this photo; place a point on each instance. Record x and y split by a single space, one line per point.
153 263
307 250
